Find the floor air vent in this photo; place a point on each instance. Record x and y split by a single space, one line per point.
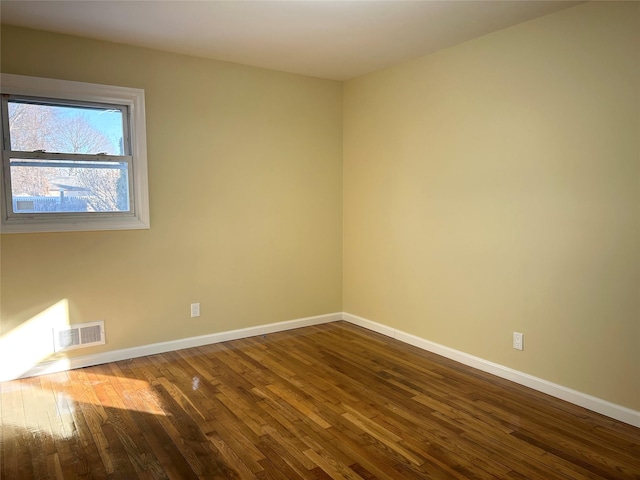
79 336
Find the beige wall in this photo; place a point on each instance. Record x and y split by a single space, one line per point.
494 187
490 187
245 178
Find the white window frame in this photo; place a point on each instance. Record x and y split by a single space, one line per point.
64 90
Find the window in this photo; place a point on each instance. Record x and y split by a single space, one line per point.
73 156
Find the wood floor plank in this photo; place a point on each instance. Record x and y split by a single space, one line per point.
166 453
331 401
10 431
235 434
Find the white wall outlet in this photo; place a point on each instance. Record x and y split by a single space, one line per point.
195 310
518 341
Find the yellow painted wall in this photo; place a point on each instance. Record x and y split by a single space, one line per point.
245 179
490 187
495 187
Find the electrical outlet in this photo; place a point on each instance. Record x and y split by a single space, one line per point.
518 341
195 310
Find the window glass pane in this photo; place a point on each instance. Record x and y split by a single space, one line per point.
65 129
53 186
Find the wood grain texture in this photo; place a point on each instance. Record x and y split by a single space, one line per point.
332 401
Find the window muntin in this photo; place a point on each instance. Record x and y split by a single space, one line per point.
74 156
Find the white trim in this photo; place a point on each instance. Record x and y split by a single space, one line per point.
369 325
618 412
88 92
61 365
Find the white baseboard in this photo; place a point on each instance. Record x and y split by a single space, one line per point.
618 412
595 404
64 364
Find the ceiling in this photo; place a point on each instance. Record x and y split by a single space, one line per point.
323 38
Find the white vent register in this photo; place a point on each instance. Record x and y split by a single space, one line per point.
78 336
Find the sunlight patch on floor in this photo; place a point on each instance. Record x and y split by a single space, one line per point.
115 392
54 408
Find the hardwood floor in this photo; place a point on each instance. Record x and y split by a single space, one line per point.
330 401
